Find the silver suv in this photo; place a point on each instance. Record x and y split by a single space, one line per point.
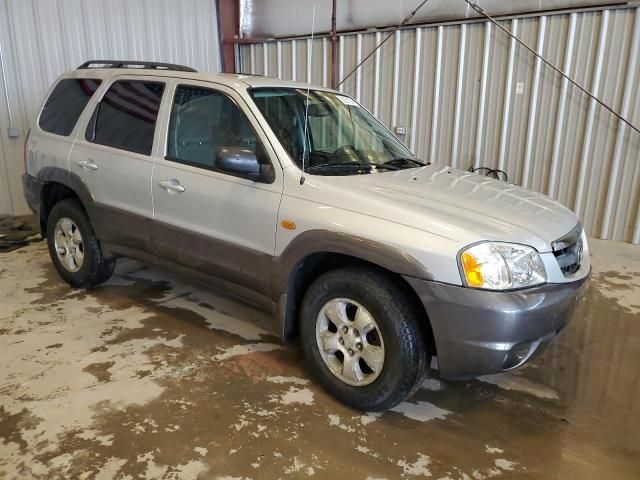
298 199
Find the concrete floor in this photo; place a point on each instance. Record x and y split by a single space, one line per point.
152 377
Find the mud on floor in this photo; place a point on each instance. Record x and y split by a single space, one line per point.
17 232
152 377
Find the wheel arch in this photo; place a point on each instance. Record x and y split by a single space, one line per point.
302 262
59 184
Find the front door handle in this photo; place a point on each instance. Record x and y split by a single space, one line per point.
88 165
171 186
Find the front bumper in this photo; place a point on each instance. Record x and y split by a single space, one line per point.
478 332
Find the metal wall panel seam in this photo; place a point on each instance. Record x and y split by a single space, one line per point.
555 160
629 95
595 88
533 108
416 89
483 92
309 59
396 79
265 59
279 59
5 162
376 80
341 41
237 58
456 129
436 96
3 72
507 96
325 81
294 61
252 56
325 75
359 71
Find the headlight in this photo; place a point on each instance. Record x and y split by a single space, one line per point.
501 266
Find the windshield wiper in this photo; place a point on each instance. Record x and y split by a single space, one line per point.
355 165
405 160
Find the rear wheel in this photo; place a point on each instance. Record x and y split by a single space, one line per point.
73 246
362 338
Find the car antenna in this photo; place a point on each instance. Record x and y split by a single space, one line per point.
306 108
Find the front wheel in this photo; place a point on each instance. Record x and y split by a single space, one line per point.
74 248
362 338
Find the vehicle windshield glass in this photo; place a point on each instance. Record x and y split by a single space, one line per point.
340 138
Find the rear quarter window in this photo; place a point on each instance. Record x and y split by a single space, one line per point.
66 103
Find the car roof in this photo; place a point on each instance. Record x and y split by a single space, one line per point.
238 81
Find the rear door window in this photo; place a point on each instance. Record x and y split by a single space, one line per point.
126 116
66 103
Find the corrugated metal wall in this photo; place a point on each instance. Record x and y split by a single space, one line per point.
470 95
41 39
281 18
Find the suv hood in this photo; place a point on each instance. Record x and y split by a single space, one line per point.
452 203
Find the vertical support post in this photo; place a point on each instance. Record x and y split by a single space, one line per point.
334 49
229 18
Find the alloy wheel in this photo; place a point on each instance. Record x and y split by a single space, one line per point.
350 342
69 245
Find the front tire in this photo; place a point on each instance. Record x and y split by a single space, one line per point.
362 338
74 248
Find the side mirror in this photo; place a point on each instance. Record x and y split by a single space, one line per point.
242 162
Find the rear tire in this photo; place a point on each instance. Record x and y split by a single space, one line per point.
74 248
362 338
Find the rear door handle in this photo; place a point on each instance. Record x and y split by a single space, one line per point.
88 165
171 186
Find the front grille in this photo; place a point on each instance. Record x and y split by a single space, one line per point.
568 251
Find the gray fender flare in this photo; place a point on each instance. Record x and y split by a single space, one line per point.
70 180
324 241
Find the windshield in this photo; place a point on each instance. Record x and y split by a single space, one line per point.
339 138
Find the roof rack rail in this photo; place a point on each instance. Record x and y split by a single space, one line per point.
134 64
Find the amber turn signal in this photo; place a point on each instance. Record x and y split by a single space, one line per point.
288 224
472 270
